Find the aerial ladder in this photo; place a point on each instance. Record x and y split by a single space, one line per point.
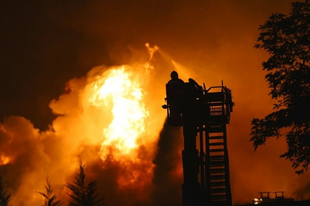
203 114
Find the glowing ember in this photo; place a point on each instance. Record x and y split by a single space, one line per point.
4 159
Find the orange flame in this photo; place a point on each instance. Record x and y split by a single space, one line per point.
123 112
5 159
111 118
124 96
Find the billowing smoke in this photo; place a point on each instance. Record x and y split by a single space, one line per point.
110 119
32 156
52 50
168 174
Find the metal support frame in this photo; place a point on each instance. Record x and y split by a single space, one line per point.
203 115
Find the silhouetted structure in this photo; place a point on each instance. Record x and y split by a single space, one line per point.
203 115
282 37
265 198
276 199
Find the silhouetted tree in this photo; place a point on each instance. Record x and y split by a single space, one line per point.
49 198
4 198
83 195
287 40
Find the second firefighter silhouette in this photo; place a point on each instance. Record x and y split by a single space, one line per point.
203 114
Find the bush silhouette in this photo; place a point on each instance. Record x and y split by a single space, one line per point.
49 198
4 197
81 194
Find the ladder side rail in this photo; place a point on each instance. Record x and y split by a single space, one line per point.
201 158
227 173
207 165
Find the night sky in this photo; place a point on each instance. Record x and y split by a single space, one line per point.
44 44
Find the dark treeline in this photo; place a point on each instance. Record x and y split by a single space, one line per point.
81 194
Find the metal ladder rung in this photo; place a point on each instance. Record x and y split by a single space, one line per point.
218 197
216 143
217 163
217 170
216 150
216 137
217 157
217 177
215 129
218 191
218 184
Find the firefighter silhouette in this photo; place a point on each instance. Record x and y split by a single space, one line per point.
174 89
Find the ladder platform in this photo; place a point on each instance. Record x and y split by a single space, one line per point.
206 112
215 96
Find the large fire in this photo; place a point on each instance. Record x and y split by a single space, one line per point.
111 118
123 95
119 90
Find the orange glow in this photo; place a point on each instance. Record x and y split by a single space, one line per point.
123 96
111 118
118 90
116 111
5 159
115 108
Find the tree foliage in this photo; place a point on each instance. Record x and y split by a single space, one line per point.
4 197
83 195
286 38
49 198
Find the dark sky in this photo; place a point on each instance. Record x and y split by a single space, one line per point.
44 44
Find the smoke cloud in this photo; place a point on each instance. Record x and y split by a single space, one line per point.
168 175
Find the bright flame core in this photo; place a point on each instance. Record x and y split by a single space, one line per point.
123 95
119 93
113 110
